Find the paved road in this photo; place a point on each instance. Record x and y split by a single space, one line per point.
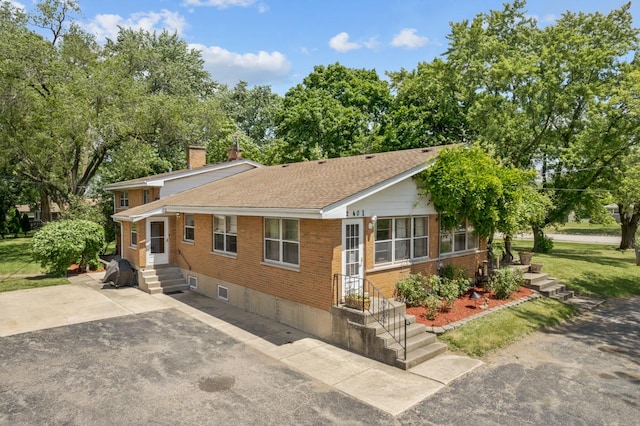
583 373
570 238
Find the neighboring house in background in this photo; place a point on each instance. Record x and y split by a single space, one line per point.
271 239
35 215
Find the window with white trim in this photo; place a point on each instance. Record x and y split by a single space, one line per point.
282 241
225 234
189 227
134 234
124 198
401 238
460 239
145 196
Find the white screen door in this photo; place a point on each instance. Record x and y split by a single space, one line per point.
352 256
157 241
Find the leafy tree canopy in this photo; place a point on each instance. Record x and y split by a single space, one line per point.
466 184
336 111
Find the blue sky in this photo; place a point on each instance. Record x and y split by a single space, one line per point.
278 42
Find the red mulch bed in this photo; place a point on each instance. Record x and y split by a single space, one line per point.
463 307
75 270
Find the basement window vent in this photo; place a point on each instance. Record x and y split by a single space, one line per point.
193 281
223 293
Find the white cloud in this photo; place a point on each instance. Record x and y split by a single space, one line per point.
220 4
106 25
254 68
341 43
371 43
409 39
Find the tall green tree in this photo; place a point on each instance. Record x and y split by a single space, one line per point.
67 104
552 98
336 111
253 110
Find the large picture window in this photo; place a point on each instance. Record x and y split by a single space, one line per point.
225 234
460 239
282 241
189 228
401 238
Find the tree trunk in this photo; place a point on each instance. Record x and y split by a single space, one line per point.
537 237
507 249
45 207
629 226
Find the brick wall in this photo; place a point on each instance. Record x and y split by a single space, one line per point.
310 284
385 279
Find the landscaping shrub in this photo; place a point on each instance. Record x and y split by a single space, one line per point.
544 244
506 281
59 244
432 304
448 291
413 289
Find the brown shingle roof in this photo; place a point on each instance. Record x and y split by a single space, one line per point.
305 185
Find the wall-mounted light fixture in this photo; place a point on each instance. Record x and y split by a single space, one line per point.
374 219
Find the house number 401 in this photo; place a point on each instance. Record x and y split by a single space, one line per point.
356 213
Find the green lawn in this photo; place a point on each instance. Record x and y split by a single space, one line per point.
594 270
15 257
11 284
504 327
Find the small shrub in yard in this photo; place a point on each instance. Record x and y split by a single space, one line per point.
544 244
59 244
506 281
413 289
432 304
448 291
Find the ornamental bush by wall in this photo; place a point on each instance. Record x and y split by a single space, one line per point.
59 244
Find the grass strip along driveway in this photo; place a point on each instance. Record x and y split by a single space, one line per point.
592 270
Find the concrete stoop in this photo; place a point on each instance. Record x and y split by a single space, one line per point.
547 286
162 279
360 332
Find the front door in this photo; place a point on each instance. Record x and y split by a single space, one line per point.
158 241
352 256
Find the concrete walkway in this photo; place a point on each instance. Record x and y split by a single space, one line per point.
86 299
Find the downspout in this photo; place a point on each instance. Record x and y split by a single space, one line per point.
121 241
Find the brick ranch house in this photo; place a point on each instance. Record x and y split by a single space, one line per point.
272 240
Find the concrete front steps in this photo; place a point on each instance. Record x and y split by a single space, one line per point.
162 279
545 285
370 338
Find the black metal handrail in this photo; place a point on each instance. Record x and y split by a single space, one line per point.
371 300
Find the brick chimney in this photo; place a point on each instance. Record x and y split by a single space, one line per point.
196 157
234 153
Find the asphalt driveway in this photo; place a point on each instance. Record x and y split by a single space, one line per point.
586 372
160 367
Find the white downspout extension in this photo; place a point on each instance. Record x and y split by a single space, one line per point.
121 241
